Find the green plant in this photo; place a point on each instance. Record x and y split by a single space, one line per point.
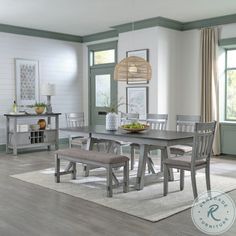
113 106
40 104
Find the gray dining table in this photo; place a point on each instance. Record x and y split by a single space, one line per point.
162 139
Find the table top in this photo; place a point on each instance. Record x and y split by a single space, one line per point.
150 134
30 115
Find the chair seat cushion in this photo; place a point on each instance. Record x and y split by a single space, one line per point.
180 149
80 154
184 161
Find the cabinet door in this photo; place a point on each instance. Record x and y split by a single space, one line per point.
21 139
50 136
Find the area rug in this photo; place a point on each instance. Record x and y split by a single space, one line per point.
148 204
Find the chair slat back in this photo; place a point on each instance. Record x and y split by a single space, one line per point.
186 123
75 119
127 117
203 141
157 121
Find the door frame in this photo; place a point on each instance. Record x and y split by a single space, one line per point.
91 49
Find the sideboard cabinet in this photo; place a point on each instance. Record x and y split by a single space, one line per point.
30 138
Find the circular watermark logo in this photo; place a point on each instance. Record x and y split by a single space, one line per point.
213 212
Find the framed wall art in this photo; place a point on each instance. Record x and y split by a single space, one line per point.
143 53
137 101
27 81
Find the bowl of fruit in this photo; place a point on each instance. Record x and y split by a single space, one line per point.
134 127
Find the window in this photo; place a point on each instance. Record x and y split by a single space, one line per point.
102 57
230 85
103 90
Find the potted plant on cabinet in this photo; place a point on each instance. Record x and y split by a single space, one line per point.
39 107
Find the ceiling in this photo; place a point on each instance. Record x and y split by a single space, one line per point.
84 17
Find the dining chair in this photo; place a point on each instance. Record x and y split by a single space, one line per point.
157 122
200 158
184 123
128 117
76 119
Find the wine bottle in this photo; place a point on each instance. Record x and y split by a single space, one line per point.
14 107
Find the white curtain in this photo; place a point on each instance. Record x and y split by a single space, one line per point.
210 93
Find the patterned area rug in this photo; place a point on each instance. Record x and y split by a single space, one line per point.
148 204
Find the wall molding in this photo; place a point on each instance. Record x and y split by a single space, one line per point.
210 22
229 42
117 29
162 22
100 36
39 33
152 22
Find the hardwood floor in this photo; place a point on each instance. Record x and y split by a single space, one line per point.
31 210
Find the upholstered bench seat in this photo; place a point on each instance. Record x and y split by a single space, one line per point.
105 158
100 159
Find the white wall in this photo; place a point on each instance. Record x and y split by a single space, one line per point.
60 62
163 45
227 31
140 39
189 84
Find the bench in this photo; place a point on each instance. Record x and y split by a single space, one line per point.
99 159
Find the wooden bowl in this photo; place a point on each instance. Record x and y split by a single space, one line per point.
135 130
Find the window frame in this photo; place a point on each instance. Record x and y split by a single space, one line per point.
99 47
226 82
102 47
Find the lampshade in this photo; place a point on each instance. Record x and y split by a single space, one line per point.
48 89
133 69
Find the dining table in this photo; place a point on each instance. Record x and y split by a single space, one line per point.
162 139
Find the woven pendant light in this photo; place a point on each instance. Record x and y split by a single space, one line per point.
133 69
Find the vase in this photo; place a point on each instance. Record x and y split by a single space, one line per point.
111 121
42 124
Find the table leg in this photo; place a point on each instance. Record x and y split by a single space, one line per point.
141 167
8 135
15 139
57 130
165 153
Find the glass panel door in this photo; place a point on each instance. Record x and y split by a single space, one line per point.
103 90
103 93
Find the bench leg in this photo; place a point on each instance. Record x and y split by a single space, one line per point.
86 170
57 169
109 181
73 173
126 177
